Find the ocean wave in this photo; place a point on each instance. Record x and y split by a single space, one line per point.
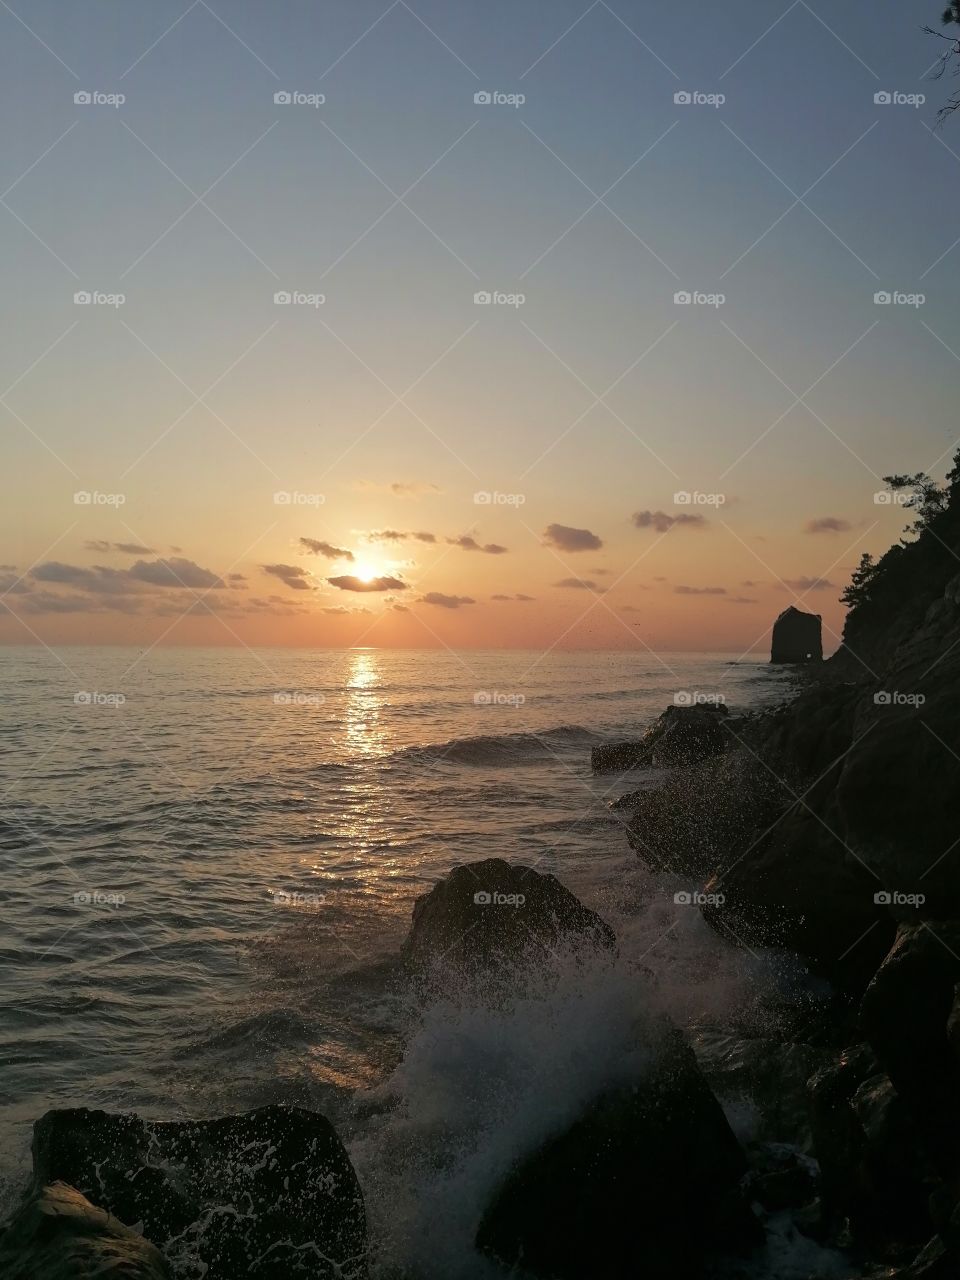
502 749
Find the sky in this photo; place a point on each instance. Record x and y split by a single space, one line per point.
540 324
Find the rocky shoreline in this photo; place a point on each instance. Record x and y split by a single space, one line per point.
823 830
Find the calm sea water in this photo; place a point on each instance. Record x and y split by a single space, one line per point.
210 858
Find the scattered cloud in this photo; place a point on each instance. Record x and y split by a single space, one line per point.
827 524
699 591
444 601
740 600
350 582
174 572
400 608
291 575
518 596
809 584
565 538
466 543
397 535
580 584
401 488
662 523
318 548
125 548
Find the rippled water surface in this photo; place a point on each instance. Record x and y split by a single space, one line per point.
210 856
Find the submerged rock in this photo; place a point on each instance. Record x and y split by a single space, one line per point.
57 1234
644 1182
491 914
269 1194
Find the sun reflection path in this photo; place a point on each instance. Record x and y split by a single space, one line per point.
364 733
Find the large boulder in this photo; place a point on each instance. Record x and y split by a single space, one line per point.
269 1194
57 1234
493 915
645 1182
682 735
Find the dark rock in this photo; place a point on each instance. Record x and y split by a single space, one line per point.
618 757
269 1194
797 637
493 915
872 1172
57 1234
645 1182
780 1178
681 735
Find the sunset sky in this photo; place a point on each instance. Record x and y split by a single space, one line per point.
385 460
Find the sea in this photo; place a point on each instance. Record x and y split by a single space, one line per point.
209 862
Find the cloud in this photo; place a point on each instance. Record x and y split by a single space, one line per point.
127 548
660 521
566 538
445 602
740 600
518 596
291 575
175 572
327 549
466 543
699 591
401 488
350 582
396 535
827 524
400 608
580 584
808 584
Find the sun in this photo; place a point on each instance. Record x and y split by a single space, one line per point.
366 570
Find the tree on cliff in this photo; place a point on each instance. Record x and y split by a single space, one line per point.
950 56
